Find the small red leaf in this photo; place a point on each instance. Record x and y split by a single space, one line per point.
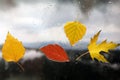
55 52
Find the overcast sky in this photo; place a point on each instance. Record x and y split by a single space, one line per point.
43 20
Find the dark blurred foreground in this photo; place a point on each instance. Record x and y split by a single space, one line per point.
44 69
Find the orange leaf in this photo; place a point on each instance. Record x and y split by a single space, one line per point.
55 52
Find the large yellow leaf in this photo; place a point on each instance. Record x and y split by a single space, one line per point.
95 48
12 50
74 31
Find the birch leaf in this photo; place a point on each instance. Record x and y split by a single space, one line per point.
12 50
74 31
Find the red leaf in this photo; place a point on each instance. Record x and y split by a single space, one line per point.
55 52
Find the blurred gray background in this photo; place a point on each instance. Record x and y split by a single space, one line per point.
43 20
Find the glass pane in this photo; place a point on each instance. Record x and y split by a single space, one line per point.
37 23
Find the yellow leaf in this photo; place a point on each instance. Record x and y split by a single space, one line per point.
12 50
74 31
95 48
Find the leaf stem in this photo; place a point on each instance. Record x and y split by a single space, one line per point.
20 66
78 58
